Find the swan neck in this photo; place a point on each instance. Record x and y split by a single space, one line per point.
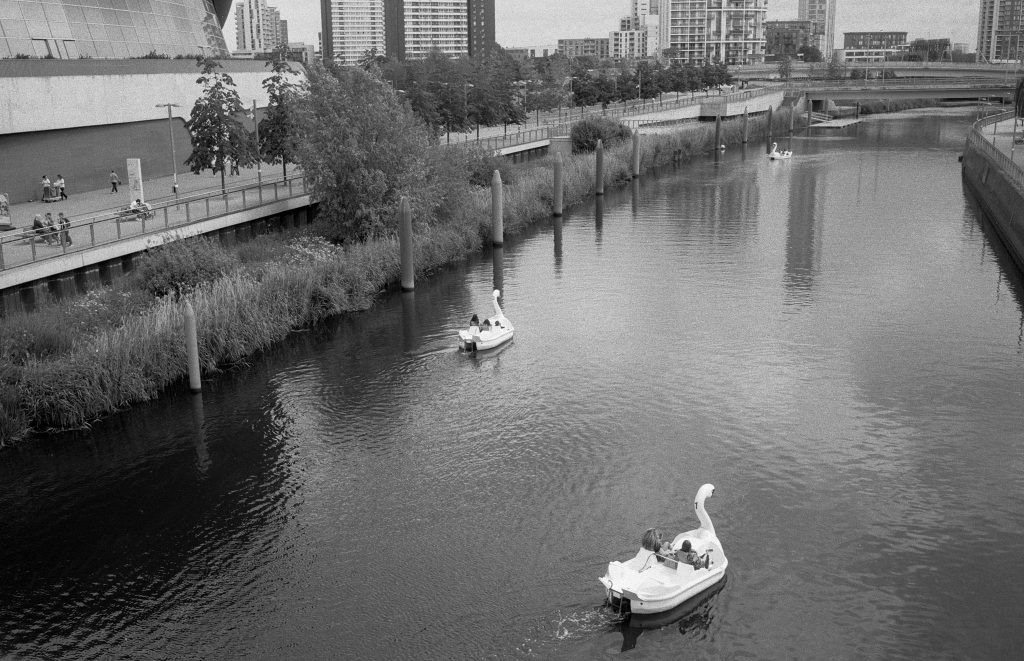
702 514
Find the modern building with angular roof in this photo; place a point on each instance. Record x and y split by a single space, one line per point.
72 29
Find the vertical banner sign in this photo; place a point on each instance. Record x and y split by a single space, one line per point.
5 212
135 180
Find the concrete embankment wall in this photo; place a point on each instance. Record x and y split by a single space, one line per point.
82 118
998 194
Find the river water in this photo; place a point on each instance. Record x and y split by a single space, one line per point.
835 342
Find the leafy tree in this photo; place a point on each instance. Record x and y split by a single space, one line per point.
785 68
362 148
834 70
277 128
217 134
810 54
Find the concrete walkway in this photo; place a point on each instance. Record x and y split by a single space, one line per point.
95 221
1002 134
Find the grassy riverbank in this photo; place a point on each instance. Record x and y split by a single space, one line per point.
74 362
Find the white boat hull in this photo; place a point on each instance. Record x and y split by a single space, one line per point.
483 340
658 587
780 156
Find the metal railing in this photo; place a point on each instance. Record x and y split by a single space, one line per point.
561 126
110 226
977 139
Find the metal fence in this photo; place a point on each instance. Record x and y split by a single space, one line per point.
985 144
35 245
562 124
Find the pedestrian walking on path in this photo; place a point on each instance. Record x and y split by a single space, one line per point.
114 181
60 186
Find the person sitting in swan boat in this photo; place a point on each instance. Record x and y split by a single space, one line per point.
474 324
653 540
691 558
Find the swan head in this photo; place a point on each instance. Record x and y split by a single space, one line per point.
496 293
704 493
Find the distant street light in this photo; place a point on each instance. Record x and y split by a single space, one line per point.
259 156
174 159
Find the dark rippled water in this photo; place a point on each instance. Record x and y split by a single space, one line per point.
835 342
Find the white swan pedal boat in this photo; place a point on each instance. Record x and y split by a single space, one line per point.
494 332
653 583
777 155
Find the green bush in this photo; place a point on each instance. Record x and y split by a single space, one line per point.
586 132
178 267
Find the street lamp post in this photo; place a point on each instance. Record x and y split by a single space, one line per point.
259 156
174 159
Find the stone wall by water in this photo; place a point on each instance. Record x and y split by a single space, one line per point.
998 192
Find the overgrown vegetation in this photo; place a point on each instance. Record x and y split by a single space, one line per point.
586 132
74 361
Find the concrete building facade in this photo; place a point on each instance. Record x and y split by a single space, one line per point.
351 28
784 38
597 47
72 29
114 116
874 40
481 27
822 13
1001 31
729 32
258 27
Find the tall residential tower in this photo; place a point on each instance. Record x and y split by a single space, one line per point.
713 31
351 28
1001 30
822 14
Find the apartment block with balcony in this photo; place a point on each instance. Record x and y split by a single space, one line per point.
783 39
729 32
1001 31
596 47
822 15
351 28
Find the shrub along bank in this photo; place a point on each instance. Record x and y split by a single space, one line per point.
124 346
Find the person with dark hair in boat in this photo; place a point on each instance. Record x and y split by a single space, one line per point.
474 324
486 327
690 556
654 541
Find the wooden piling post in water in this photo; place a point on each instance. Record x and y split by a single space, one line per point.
768 142
497 211
718 132
557 199
636 153
746 125
195 383
405 245
599 168
792 119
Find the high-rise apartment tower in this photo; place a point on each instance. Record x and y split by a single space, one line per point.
351 28
728 32
1001 30
822 14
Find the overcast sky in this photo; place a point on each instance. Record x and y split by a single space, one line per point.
541 23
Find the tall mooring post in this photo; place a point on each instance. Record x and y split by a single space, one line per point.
405 245
599 168
497 211
195 383
792 119
746 125
636 153
771 113
557 198
718 132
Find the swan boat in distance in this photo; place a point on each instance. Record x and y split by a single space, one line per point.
493 332
650 582
776 155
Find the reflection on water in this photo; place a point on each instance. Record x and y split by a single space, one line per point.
834 341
